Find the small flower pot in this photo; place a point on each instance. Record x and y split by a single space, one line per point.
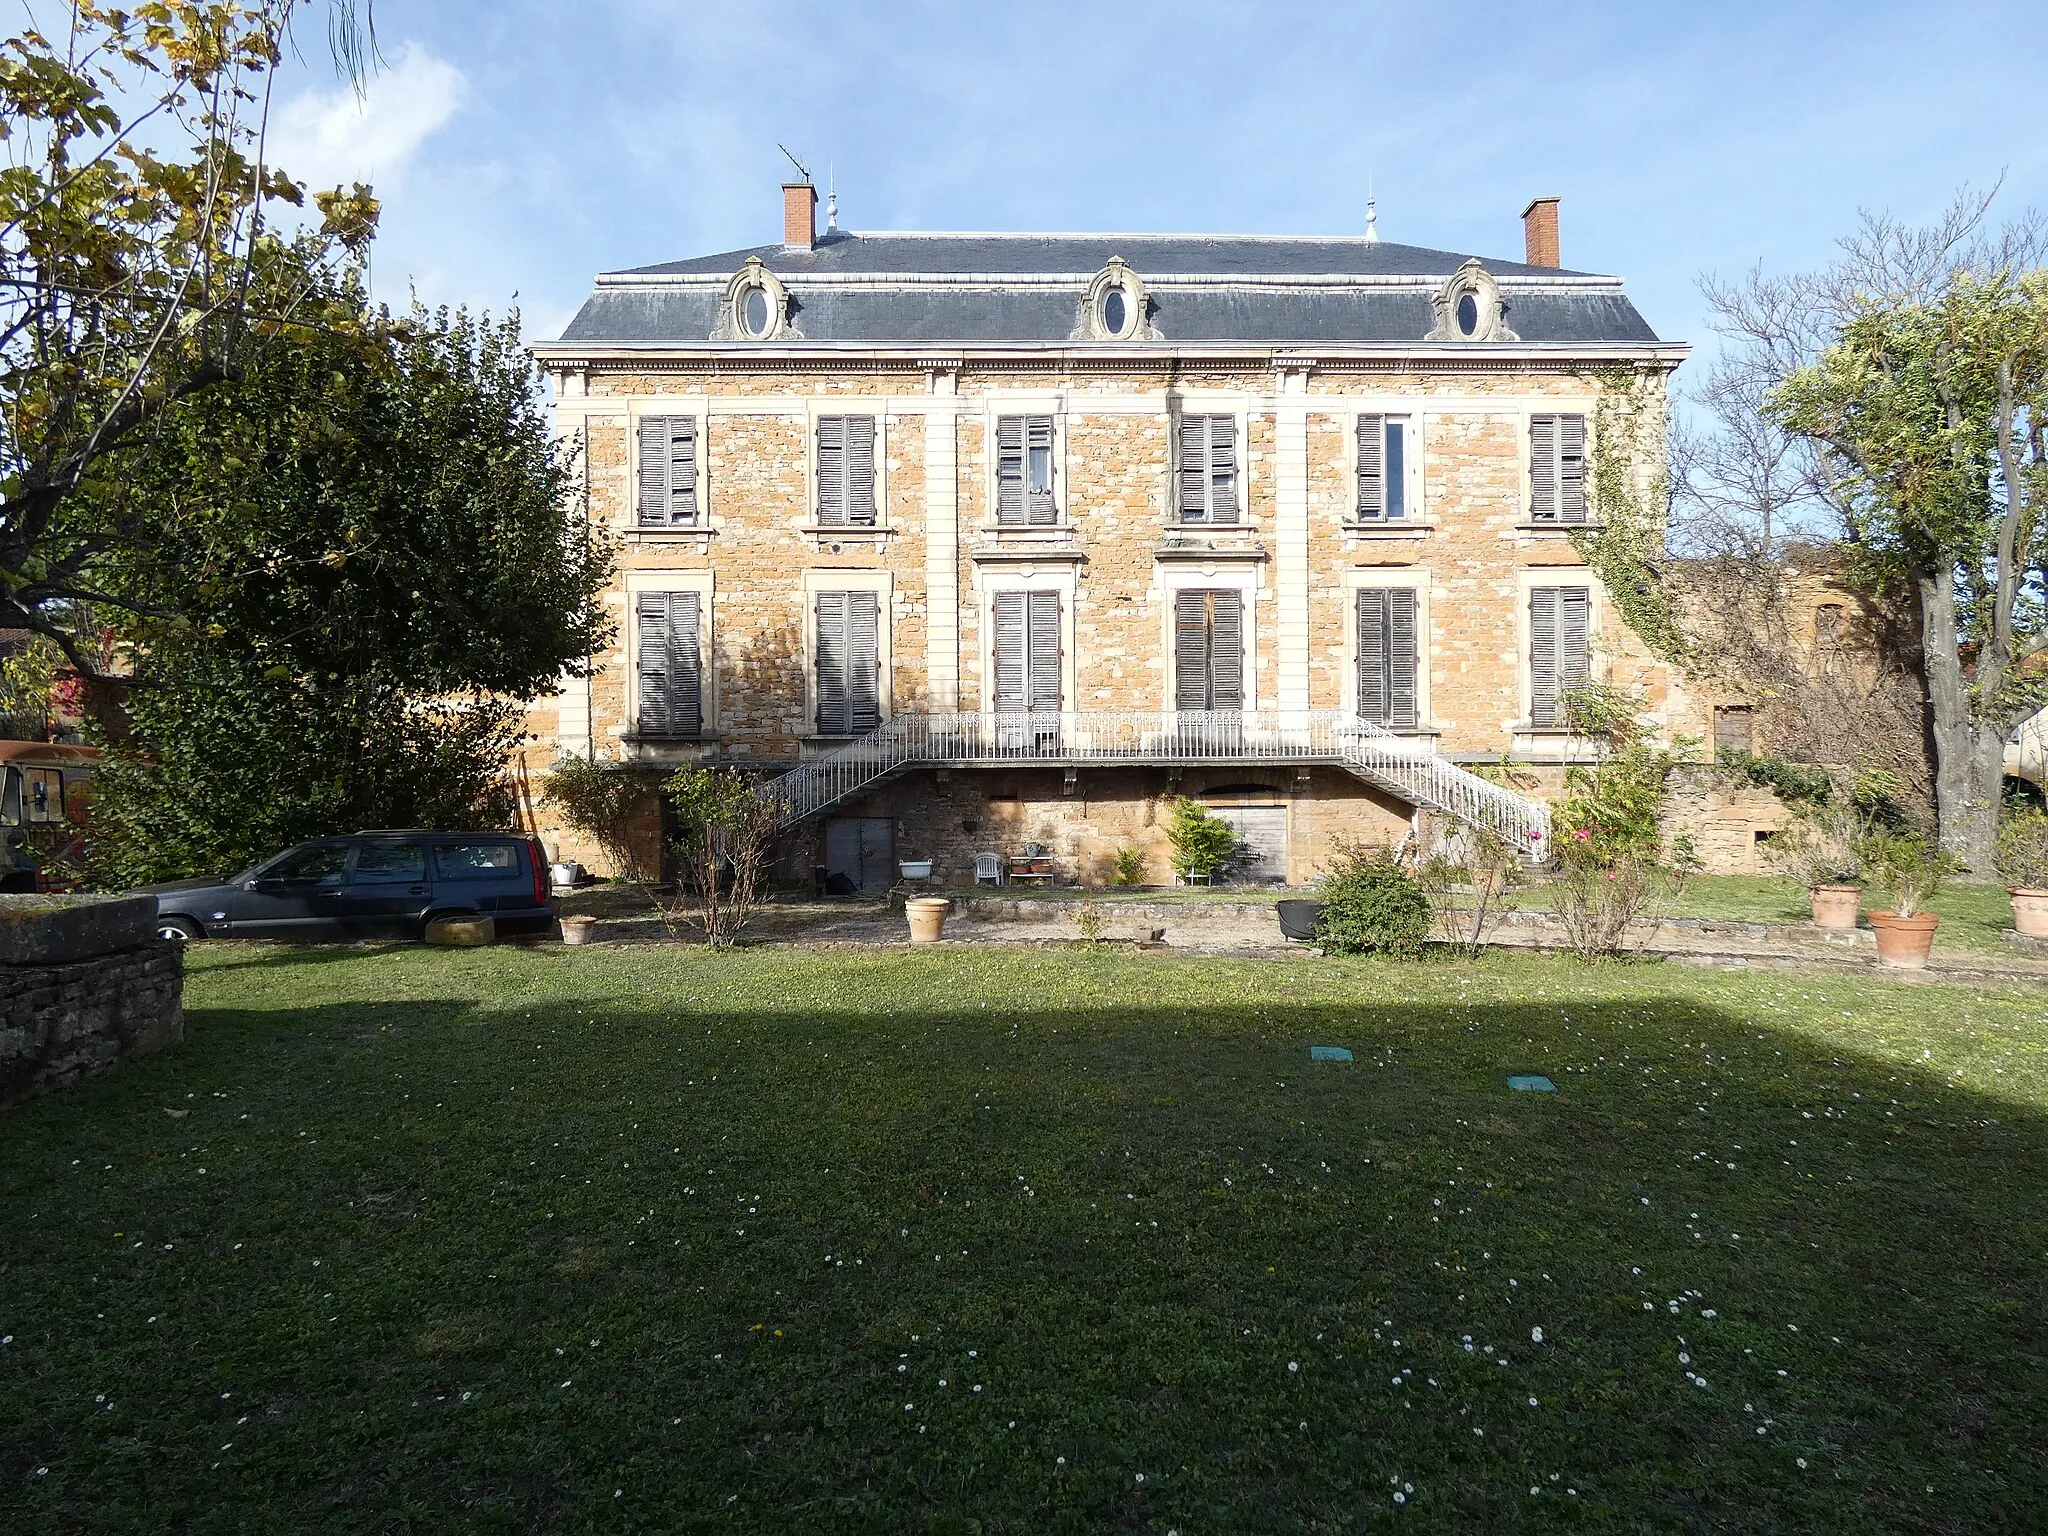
1904 941
1835 906
2029 910
577 930
927 916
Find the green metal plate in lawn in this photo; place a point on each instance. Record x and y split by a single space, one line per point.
1329 1053
1532 1084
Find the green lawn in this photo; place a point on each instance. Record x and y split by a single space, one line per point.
1032 1240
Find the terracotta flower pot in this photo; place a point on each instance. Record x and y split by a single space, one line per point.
1835 906
1904 941
2029 910
577 929
927 916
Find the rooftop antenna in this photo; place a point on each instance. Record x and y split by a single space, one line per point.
831 199
801 169
1372 233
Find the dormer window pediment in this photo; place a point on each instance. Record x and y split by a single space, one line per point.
1469 307
756 307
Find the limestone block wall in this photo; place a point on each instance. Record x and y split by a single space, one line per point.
61 1024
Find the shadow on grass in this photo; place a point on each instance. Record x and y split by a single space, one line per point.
812 1252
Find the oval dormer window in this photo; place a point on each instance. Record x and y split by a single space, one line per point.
1468 314
1115 311
756 312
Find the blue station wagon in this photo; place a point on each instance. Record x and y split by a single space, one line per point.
372 885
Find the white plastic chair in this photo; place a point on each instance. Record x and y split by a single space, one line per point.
988 869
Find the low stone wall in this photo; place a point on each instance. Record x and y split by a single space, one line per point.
83 987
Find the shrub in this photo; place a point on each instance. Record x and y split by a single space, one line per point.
2022 857
1130 867
1475 868
601 801
1371 905
1607 839
1820 849
1907 865
1202 845
724 828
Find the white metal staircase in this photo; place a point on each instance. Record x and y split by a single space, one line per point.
1137 737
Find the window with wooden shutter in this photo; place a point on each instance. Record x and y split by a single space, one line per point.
668 471
669 667
849 663
846 472
1208 649
1557 469
1024 472
1028 651
1560 649
1208 469
1389 657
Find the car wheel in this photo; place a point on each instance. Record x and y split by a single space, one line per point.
179 930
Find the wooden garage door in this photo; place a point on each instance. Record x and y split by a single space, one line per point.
1262 842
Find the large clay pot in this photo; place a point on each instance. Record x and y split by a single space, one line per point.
927 918
1835 906
577 929
1904 941
2029 910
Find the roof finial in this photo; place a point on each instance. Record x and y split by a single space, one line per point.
831 198
1372 234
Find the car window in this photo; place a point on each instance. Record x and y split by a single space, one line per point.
475 860
389 861
45 794
321 864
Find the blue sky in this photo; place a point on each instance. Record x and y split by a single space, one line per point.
522 145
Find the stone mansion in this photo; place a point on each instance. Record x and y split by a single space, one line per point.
996 540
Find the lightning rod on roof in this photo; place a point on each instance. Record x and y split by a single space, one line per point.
831 199
1372 233
801 169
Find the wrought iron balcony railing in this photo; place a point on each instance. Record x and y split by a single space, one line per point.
1397 764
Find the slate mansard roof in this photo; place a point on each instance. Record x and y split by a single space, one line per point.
876 290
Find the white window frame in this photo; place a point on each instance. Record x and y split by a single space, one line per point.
656 580
638 406
1416 578
818 579
995 408
846 405
1412 478
1240 576
1059 576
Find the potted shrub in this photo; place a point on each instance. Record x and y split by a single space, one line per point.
1821 854
1906 865
2022 862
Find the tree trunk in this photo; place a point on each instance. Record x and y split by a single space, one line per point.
1969 757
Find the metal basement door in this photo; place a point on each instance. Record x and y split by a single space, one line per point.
858 847
1262 842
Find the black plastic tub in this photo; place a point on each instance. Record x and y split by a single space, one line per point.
1298 918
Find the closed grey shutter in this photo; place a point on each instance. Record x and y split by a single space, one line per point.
1009 470
1194 469
1543 688
860 471
1372 655
668 471
669 668
651 663
1401 658
1372 489
833 719
1226 651
1010 653
863 661
1543 469
1574 637
1571 469
832 471
1041 511
1222 469
1045 652
1190 650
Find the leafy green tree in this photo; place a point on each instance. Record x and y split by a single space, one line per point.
139 266
377 551
1917 366
1202 844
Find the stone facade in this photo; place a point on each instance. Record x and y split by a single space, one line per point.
1298 555
61 1024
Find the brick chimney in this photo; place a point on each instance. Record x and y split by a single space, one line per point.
800 216
1539 232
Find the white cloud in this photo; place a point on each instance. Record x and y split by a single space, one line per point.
331 138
